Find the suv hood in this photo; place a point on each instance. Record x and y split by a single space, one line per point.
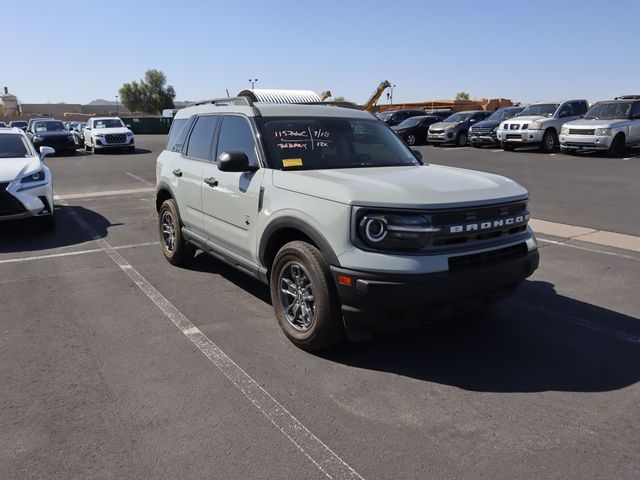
10 168
527 119
110 131
489 123
616 122
444 125
426 186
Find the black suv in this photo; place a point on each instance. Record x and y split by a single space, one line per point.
484 132
395 117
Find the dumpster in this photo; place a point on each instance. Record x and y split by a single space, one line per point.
148 125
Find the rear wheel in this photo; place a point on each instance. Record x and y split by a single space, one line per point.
411 140
617 146
549 141
174 247
507 147
304 297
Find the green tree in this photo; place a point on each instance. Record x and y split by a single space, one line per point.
150 95
462 96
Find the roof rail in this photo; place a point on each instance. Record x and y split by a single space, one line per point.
226 101
628 97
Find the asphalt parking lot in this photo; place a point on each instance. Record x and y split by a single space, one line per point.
103 375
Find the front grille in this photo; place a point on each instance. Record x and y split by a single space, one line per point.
115 138
9 205
511 136
57 141
464 262
482 131
436 132
582 131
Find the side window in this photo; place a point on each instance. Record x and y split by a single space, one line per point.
201 137
236 135
178 133
635 110
567 110
580 108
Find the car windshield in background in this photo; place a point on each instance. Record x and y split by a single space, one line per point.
108 124
542 109
312 143
411 122
48 127
500 115
13 146
609 110
457 117
19 124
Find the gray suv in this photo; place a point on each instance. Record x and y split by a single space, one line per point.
455 128
326 205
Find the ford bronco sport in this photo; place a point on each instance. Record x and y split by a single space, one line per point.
326 205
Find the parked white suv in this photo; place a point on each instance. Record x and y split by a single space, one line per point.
108 133
330 207
25 181
612 126
539 124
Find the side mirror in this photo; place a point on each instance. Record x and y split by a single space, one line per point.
417 154
46 151
564 113
235 162
87 128
128 126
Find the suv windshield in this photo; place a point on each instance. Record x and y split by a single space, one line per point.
13 146
458 117
503 114
310 143
108 123
609 110
48 126
542 109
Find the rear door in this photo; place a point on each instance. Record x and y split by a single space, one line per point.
188 170
634 128
230 199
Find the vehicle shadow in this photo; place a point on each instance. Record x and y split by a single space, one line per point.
28 235
139 151
520 346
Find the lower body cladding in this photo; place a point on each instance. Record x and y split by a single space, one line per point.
380 301
585 142
32 202
520 137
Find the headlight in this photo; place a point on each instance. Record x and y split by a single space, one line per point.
537 125
394 231
38 176
605 132
564 130
129 134
38 138
504 126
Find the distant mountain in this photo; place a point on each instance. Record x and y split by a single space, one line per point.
102 101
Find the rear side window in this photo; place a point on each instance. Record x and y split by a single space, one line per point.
236 135
635 110
201 137
177 127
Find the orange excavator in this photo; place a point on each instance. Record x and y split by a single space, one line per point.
376 95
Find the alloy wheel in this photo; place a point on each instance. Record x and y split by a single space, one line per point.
297 296
411 139
168 231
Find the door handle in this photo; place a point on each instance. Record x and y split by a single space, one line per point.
177 172
212 182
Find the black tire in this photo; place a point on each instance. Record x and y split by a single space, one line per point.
87 148
325 329
549 141
461 139
507 147
411 140
172 243
617 146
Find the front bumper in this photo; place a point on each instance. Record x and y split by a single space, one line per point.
34 202
56 143
483 139
585 142
376 301
522 137
448 136
102 144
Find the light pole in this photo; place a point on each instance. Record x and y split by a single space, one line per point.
117 107
253 81
390 93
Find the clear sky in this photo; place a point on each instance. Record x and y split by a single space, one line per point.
75 52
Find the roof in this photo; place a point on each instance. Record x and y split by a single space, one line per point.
264 95
11 130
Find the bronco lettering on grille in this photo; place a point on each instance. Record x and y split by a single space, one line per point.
489 225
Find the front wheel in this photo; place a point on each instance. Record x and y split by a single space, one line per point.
507 147
461 139
411 140
617 146
548 141
304 297
174 246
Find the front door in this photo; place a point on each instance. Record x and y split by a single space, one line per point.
230 199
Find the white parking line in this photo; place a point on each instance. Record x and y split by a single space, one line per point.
586 249
130 191
140 179
309 445
77 252
598 327
496 151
